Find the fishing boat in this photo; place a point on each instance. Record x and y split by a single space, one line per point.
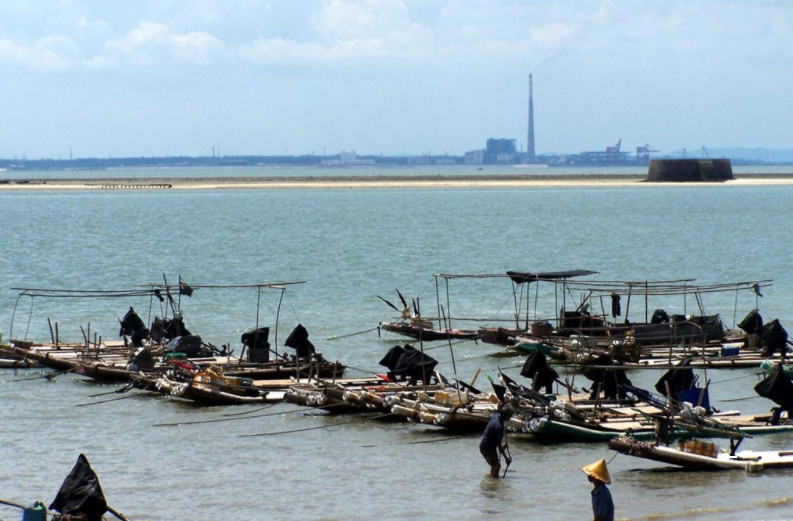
425 332
413 325
411 373
148 350
17 363
683 411
209 386
693 454
602 322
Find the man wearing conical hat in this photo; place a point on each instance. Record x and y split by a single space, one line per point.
602 504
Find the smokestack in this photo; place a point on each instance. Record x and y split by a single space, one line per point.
530 153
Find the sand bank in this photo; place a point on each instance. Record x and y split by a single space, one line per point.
371 182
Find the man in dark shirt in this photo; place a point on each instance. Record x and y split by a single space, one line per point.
602 504
492 441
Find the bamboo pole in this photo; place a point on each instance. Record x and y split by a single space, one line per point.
449 338
52 335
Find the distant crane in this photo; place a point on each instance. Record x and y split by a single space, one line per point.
643 154
705 152
613 153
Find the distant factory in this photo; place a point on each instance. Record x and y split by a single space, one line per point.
501 151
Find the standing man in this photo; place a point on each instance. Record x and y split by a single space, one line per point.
492 441
602 504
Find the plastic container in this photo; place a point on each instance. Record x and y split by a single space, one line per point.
730 351
36 512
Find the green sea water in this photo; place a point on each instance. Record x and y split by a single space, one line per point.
349 246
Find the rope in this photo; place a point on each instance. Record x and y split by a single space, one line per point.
358 420
110 400
250 412
738 378
352 334
117 391
217 420
742 399
436 440
47 376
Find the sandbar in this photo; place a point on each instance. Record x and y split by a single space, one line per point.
371 182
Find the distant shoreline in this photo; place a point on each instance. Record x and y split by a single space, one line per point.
370 181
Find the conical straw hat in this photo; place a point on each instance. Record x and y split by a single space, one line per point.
598 471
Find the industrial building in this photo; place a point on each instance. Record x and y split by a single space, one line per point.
503 151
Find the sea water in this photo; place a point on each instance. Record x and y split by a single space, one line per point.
349 246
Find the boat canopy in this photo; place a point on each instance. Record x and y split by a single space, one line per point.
520 277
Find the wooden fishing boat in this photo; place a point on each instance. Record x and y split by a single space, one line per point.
427 334
696 455
116 366
211 387
644 341
552 430
450 410
17 363
356 395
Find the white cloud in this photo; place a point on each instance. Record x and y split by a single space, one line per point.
153 43
49 53
468 35
363 19
350 31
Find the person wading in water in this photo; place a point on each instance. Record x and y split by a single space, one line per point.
492 441
602 504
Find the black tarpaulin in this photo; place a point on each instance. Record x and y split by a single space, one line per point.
298 340
774 337
257 338
168 329
184 288
500 391
534 362
609 380
81 493
660 316
595 369
258 344
777 387
519 277
752 323
616 307
680 378
409 362
190 345
414 361
391 358
134 326
545 377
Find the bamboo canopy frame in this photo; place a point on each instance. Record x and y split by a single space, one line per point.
517 278
682 287
150 290
595 290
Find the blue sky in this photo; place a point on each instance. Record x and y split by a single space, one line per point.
173 77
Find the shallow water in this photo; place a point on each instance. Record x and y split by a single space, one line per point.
350 246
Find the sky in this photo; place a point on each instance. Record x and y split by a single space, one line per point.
92 78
